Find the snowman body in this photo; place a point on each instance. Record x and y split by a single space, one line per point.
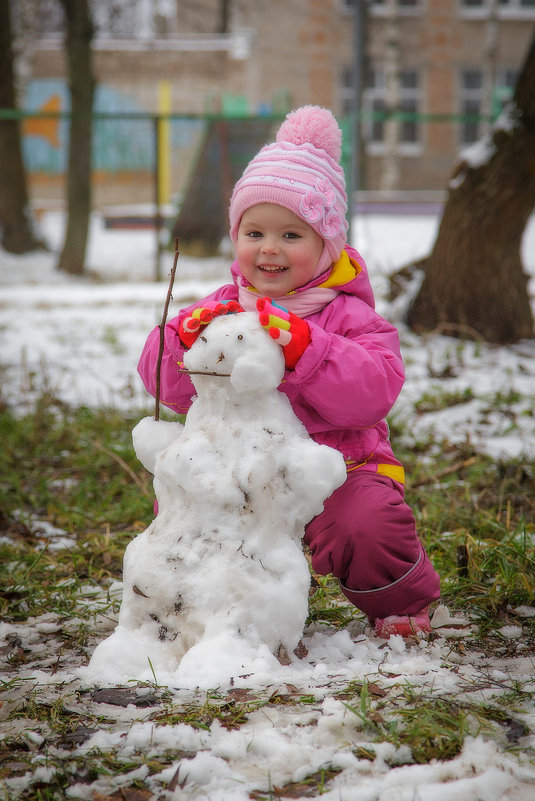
220 576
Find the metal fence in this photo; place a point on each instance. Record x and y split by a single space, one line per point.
142 157
149 160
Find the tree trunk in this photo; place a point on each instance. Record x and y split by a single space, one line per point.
224 15
82 86
228 146
474 283
17 233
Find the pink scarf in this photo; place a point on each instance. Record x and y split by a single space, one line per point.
304 300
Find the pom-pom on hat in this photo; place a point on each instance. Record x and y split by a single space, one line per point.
301 172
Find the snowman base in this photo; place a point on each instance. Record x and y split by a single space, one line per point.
217 586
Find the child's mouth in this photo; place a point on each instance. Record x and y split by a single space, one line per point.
271 268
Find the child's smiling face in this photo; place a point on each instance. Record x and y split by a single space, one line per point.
277 251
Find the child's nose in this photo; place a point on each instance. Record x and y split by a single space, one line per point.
269 245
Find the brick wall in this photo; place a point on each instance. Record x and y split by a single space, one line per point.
298 52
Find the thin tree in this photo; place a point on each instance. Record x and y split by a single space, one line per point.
79 35
224 16
474 282
16 224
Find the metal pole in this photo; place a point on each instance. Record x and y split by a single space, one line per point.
157 210
355 171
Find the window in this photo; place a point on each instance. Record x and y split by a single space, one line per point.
380 6
402 6
504 9
503 90
517 5
409 105
346 94
471 97
374 107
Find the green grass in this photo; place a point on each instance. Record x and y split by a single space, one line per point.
75 469
434 726
478 526
436 399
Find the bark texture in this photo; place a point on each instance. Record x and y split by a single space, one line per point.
16 224
228 146
474 281
82 86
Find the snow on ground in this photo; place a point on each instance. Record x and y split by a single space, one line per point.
302 723
227 594
82 339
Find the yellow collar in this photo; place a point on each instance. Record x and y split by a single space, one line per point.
343 271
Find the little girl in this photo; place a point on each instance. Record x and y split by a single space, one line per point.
344 367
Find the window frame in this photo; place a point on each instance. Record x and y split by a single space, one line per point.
506 10
469 95
504 83
374 99
378 8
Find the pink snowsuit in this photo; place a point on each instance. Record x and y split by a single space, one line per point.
341 389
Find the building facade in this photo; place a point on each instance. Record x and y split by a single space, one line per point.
433 73
448 66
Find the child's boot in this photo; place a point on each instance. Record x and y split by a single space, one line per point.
417 625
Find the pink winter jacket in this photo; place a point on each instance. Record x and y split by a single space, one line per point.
342 387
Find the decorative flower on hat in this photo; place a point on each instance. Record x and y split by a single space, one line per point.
318 206
312 207
324 188
332 224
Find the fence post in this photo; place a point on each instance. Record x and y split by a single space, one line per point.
355 171
157 210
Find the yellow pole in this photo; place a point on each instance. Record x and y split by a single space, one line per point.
164 143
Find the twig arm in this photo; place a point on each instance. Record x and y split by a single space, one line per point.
162 330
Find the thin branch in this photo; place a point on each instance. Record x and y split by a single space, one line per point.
203 372
120 461
162 329
448 471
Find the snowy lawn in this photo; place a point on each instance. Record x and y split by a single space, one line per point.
353 719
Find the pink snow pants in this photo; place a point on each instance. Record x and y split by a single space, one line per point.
366 537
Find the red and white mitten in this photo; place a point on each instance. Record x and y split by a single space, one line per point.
191 326
286 328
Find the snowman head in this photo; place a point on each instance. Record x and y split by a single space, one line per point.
237 347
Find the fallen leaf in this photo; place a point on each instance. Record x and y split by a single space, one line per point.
515 730
241 694
120 696
282 656
76 737
125 794
138 591
301 650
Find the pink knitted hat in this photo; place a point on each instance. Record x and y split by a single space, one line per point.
301 172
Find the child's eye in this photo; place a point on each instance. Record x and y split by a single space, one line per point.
292 235
254 234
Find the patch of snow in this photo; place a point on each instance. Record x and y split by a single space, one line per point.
511 632
525 611
82 340
243 448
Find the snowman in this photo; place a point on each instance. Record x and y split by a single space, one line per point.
218 584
